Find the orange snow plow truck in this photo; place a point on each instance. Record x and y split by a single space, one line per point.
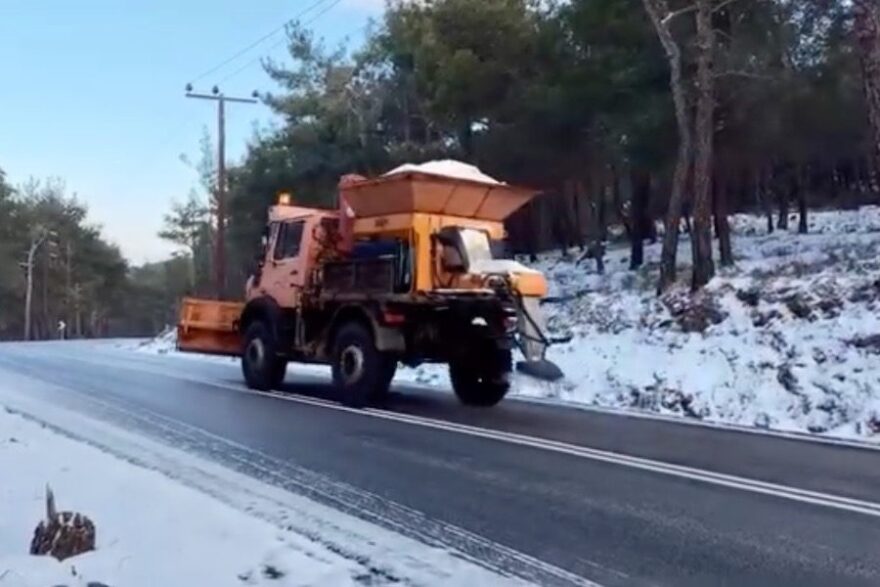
403 272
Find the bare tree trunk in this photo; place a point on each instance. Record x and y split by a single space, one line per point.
659 12
722 226
570 222
701 240
833 183
782 222
641 195
29 293
78 310
801 196
28 297
602 212
761 193
596 226
559 220
596 246
577 193
618 203
867 32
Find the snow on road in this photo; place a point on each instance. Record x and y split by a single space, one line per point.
150 530
166 517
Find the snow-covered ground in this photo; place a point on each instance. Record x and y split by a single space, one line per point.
782 340
788 339
166 517
150 530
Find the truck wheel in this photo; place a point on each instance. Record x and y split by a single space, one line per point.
482 380
279 372
360 371
263 369
389 370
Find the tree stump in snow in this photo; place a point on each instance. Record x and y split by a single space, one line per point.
62 534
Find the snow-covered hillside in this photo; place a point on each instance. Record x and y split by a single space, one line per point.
787 339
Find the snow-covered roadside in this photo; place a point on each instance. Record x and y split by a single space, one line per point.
166 344
167 517
788 339
150 530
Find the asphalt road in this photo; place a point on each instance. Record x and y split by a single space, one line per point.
549 493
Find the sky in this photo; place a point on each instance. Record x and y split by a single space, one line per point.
93 93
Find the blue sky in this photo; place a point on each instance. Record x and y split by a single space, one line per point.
92 92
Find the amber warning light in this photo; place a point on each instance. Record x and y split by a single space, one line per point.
285 199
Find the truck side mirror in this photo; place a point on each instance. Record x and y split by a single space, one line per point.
452 261
260 257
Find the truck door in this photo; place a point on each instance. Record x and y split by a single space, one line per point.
287 274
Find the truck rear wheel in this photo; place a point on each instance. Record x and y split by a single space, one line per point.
360 371
483 378
263 369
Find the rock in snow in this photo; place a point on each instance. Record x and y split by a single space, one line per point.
62 535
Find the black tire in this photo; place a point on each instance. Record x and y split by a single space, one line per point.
389 369
361 373
279 372
481 379
263 369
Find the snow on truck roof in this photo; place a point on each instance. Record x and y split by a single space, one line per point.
447 168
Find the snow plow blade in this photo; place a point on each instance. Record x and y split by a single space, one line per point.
209 327
544 370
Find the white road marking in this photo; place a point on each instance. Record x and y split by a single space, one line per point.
722 479
737 428
681 471
620 412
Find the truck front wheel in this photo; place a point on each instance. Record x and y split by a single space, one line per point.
263 369
360 371
481 379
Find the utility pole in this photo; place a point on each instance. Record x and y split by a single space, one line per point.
220 241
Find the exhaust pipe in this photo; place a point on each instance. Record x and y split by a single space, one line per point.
534 343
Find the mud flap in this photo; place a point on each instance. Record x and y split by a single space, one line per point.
534 343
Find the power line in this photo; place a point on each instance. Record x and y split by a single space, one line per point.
252 62
259 41
188 122
256 60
